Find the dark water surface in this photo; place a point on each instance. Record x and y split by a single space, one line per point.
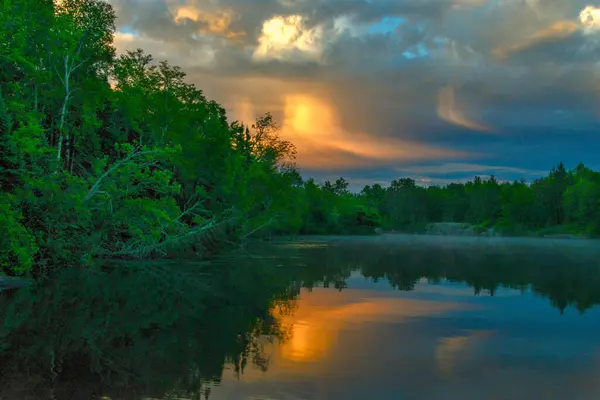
392 317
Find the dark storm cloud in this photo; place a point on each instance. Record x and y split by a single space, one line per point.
510 86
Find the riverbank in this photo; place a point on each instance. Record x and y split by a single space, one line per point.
471 230
573 249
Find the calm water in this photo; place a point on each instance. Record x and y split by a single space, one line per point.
328 318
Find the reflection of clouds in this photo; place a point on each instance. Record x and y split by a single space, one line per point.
366 344
309 341
322 314
451 350
591 380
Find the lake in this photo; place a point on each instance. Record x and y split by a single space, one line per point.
385 317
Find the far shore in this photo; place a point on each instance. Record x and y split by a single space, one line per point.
470 230
551 236
394 238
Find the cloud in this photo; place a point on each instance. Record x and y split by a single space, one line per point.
314 126
371 84
450 168
427 174
217 23
283 38
308 116
203 55
590 18
557 31
447 109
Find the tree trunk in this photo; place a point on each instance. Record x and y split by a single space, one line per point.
63 113
71 154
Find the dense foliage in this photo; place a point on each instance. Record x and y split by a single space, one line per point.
106 155
118 156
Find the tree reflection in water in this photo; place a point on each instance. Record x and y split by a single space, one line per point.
132 331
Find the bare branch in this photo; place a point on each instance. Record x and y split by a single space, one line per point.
131 251
189 210
74 68
59 75
266 224
99 181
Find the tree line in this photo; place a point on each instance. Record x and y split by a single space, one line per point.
107 155
564 201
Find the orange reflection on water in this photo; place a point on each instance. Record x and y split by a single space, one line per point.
450 349
321 315
309 342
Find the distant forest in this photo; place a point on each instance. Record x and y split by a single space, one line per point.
117 156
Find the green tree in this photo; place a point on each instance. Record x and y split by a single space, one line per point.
518 205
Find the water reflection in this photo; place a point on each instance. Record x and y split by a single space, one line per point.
468 320
350 318
450 351
322 314
128 331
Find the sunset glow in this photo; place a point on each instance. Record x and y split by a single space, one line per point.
556 31
215 22
449 110
322 314
314 127
449 351
282 36
357 92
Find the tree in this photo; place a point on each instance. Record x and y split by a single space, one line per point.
518 205
79 50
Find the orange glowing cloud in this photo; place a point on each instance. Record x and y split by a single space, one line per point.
217 23
449 110
312 124
557 31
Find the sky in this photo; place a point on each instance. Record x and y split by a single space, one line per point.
375 90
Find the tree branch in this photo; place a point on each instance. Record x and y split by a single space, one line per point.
96 185
189 210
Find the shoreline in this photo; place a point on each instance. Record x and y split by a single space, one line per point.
497 235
